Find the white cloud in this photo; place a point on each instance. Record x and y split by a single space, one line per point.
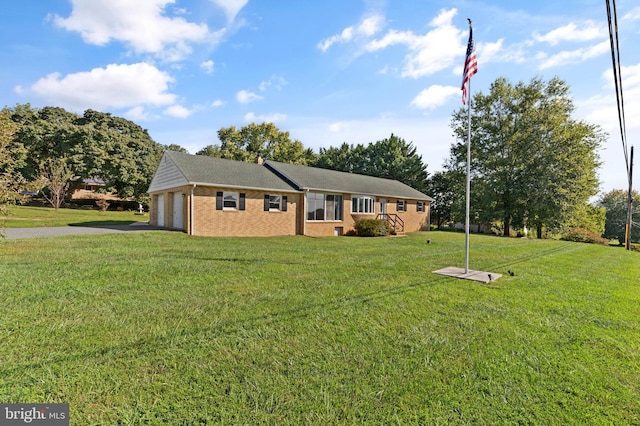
587 31
267 118
571 56
338 126
498 52
601 109
435 96
116 86
208 66
142 25
345 35
367 28
245 97
633 15
230 7
137 113
436 50
276 81
370 26
218 103
178 111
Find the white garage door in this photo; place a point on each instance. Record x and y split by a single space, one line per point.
177 210
160 210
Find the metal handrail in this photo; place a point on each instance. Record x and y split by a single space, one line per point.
393 219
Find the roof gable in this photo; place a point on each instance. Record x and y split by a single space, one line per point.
167 175
204 170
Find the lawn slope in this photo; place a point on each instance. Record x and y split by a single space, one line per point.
37 217
162 328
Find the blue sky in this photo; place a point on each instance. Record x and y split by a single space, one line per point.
328 71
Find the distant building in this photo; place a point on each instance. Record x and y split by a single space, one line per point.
89 189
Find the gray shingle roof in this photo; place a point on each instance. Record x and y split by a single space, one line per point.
200 169
178 169
316 179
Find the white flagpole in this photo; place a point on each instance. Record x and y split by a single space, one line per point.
466 224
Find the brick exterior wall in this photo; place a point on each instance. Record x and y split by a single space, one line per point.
413 220
207 221
251 222
255 222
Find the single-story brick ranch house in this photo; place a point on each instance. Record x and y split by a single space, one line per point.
216 197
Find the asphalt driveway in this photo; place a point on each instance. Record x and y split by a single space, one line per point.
59 231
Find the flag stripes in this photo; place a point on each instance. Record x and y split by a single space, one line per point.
470 65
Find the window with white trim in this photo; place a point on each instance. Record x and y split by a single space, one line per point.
420 207
274 202
364 204
229 200
324 207
401 206
226 200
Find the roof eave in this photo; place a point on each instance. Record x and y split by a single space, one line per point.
375 194
251 188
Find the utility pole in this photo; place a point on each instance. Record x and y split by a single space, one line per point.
627 234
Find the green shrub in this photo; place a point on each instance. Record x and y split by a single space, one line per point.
372 228
581 235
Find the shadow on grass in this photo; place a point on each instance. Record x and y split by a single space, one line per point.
286 315
224 327
120 225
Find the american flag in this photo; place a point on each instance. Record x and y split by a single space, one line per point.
470 65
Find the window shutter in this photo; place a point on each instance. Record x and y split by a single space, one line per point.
266 202
219 200
284 203
241 201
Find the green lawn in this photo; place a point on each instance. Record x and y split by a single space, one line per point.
35 217
163 328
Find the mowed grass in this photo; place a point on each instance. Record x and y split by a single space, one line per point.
36 217
163 328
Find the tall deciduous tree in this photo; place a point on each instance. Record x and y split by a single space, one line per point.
117 150
211 151
615 203
56 177
45 133
253 140
95 144
391 158
8 160
176 148
444 187
532 163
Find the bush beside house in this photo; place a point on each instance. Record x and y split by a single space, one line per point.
372 228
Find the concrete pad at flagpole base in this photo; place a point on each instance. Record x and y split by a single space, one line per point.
481 276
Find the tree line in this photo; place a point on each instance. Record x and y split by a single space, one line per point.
50 148
391 158
534 166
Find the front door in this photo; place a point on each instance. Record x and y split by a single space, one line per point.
383 209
